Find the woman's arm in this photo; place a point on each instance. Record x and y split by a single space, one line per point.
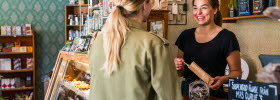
234 65
233 61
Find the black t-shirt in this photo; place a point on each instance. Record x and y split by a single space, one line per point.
210 56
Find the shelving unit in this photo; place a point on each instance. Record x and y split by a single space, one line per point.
225 13
73 9
26 40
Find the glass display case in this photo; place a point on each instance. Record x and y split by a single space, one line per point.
70 79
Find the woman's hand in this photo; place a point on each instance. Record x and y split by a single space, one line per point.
179 63
218 82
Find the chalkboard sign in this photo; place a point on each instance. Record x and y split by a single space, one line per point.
250 90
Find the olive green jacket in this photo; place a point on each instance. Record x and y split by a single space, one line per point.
146 70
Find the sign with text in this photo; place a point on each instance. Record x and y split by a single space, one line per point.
250 90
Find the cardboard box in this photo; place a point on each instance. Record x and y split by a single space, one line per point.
9 44
29 63
23 30
3 30
9 30
17 63
29 49
7 49
28 29
5 64
15 49
17 44
22 49
13 30
18 30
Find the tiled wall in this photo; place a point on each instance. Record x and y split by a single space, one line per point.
255 36
47 19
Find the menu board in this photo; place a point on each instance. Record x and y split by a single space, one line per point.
250 90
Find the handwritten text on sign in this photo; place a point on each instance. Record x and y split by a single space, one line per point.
249 90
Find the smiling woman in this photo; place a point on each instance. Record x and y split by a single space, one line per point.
210 46
210 9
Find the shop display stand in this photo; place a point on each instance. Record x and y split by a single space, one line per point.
26 40
63 70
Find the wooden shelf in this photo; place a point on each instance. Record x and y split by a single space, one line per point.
74 25
77 5
18 89
16 71
233 19
69 41
14 53
16 35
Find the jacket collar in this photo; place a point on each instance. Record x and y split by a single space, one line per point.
135 24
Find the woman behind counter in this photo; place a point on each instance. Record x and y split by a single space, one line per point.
129 63
210 46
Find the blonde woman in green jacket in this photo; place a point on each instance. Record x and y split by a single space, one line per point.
129 63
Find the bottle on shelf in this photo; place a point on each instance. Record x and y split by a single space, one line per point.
76 19
82 19
233 8
71 21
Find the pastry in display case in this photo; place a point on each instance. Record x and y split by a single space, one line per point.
70 79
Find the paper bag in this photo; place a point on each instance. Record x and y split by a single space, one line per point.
201 73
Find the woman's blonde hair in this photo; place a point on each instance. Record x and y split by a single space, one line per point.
115 30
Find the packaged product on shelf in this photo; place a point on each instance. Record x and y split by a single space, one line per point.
29 49
8 83
87 43
17 43
18 30
13 30
9 30
15 49
23 30
9 44
1 47
22 49
5 64
18 82
3 83
7 49
13 83
28 82
17 63
3 30
22 82
29 63
28 29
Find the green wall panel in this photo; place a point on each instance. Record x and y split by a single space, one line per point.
47 20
